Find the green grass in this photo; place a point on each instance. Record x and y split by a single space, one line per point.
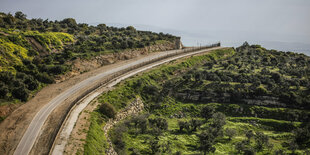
271 121
125 92
95 142
178 142
12 52
268 124
51 40
187 143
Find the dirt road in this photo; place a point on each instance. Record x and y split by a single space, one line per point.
33 131
64 135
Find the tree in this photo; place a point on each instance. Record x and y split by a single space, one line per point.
44 78
117 138
276 77
206 140
130 28
245 148
3 90
261 140
195 124
230 132
20 93
6 77
102 28
207 112
70 22
154 146
302 135
31 83
182 125
9 19
67 54
20 15
218 120
130 43
140 122
56 28
108 110
159 123
249 134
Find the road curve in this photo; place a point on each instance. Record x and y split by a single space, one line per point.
26 143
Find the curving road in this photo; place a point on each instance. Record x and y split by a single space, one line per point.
26 143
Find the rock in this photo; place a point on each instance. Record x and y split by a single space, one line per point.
133 108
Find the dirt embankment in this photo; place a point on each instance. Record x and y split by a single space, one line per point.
14 126
80 66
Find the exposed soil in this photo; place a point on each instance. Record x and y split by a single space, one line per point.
78 135
5 110
14 126
80 66
37 46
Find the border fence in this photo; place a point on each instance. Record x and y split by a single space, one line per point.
119 73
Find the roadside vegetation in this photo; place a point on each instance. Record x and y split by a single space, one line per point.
34 51
247 100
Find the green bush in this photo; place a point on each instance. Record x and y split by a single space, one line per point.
20 93
3 90
107 110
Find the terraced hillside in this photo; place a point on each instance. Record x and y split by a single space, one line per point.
235 101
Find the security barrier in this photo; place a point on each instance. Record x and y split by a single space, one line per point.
119 73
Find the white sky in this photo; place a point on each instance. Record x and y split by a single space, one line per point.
257 20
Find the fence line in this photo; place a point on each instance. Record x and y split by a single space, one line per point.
121 72
114 75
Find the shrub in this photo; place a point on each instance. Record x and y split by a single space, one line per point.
6 77
3 90
206 140
57 69
44 78
20 93
108 110
230 133
159 123
302 136
207 112
261 140
140 122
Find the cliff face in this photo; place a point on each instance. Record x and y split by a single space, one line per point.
80 66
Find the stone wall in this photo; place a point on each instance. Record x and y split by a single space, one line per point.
134 108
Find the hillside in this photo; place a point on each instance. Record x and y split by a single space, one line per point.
247 100
36 52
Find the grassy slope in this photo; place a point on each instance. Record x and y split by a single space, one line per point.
273 124
15 47
125 91
43 54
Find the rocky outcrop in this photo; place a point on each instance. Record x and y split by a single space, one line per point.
134 108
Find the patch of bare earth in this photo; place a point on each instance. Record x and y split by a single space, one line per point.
78 135
16 123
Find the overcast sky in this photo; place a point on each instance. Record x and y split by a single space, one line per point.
225 20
